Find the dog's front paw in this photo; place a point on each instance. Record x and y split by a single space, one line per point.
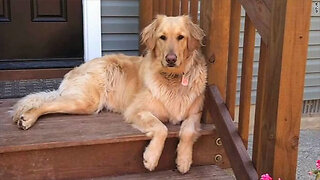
150 159
184 158
183 165
25 121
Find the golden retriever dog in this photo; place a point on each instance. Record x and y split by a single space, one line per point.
166 85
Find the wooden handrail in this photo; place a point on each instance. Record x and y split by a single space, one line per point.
260 16
236 151
268 3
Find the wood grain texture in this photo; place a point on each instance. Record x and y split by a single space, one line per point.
246 80
79 162
162 6
99 128
146 15
215 21
74 147
169 7
260 16
11 75
200 172
184 7
176 8
155 7
233 57
194 5
268 3
284 81
217 18
240 160
258 125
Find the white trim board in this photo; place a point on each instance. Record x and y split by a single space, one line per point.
91 29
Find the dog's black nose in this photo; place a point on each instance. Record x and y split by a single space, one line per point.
171 59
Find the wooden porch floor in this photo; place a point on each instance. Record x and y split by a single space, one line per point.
211 172
52 131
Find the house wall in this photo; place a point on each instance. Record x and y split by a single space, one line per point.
120 34
120 26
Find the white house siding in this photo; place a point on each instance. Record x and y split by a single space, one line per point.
120 26
120 33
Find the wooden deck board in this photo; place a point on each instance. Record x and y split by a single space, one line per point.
59 130
201 172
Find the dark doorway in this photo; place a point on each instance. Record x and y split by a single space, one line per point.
40 34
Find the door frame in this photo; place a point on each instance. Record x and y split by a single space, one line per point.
91 29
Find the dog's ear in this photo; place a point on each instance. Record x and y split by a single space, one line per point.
148 37
196 34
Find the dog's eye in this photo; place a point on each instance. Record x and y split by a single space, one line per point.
163 37
180 37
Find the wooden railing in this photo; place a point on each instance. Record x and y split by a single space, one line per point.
283 26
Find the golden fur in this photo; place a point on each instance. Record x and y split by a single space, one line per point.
144 89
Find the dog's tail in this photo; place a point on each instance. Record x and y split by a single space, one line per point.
31 101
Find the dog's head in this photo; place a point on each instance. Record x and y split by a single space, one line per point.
172 39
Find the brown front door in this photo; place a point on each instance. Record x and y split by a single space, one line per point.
40 34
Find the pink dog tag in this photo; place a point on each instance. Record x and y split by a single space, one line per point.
184 81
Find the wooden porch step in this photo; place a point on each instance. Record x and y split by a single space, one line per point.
209 172
80 146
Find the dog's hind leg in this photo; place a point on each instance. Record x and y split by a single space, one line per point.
59 105
146 122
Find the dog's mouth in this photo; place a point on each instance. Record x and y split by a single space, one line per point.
171 65
168 65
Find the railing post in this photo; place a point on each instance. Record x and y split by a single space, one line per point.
215 21
146 15
276 139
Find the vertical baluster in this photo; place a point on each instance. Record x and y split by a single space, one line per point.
146 7
169 7
256 153
233 56
184 7
162 6
176 7
246 80
155 7
194 5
